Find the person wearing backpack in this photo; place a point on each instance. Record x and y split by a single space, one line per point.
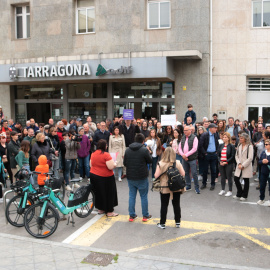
168 159
243 158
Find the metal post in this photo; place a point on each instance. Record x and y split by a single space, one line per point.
5 200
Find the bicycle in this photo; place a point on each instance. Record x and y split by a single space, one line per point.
26 196
41 219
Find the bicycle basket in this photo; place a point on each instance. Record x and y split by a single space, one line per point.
21 174
18 185
80 196
55 183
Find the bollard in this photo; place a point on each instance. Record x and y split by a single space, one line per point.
4 201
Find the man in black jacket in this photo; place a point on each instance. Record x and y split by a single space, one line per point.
129 131
136 158
101 134
208 146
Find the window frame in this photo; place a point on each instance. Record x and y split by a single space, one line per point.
77 18
259 85
24 21
261 26
148 17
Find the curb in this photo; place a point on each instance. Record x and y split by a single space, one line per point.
126 254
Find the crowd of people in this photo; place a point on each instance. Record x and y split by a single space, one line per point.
102 152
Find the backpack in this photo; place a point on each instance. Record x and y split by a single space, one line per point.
175 180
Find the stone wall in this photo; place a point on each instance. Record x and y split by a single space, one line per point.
238 51
121 26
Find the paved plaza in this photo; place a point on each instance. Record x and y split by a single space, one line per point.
216 232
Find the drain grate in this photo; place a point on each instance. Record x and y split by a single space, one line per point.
98 259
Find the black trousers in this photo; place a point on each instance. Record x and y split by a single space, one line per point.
165 198
241 192
7 166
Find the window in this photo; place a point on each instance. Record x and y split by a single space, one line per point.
261 13
85 16
22 14
258 84
159 14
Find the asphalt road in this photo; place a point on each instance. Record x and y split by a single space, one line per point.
214 229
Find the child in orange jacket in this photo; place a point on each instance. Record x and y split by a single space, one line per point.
43 168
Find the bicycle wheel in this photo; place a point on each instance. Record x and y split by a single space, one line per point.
86 210
41 227
15 213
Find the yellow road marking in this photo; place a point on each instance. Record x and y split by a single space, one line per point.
93 233
167 241
258 242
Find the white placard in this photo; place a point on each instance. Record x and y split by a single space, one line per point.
57 112
168 119
86 113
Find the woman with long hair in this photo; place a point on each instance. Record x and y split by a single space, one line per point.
24 134
243 157
103 181
175 144
168 137
156 149
168 159
22 158
117 146
221 126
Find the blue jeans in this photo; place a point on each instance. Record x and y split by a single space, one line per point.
154 166
84 166
70 165
119 169
142 186
191 165
210 159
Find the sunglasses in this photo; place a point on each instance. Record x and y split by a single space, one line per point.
266 144
138 122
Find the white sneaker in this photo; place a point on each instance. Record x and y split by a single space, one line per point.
119 179
200 178
228 194
236 198
76 185
242 181
243 199
267 203
88 180
256 180
80 178
222 192
260 202
68 188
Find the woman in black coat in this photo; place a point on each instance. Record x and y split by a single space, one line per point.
13 150
226 163
4 155
41 147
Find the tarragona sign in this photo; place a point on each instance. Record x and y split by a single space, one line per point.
62 71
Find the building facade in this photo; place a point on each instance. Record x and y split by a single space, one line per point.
67 58
74 58
241 58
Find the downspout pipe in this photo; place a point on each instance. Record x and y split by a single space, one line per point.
211 61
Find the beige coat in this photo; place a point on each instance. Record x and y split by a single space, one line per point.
118 145
241 158
164 178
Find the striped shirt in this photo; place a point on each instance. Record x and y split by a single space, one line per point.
224 154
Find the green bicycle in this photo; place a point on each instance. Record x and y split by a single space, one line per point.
41 219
